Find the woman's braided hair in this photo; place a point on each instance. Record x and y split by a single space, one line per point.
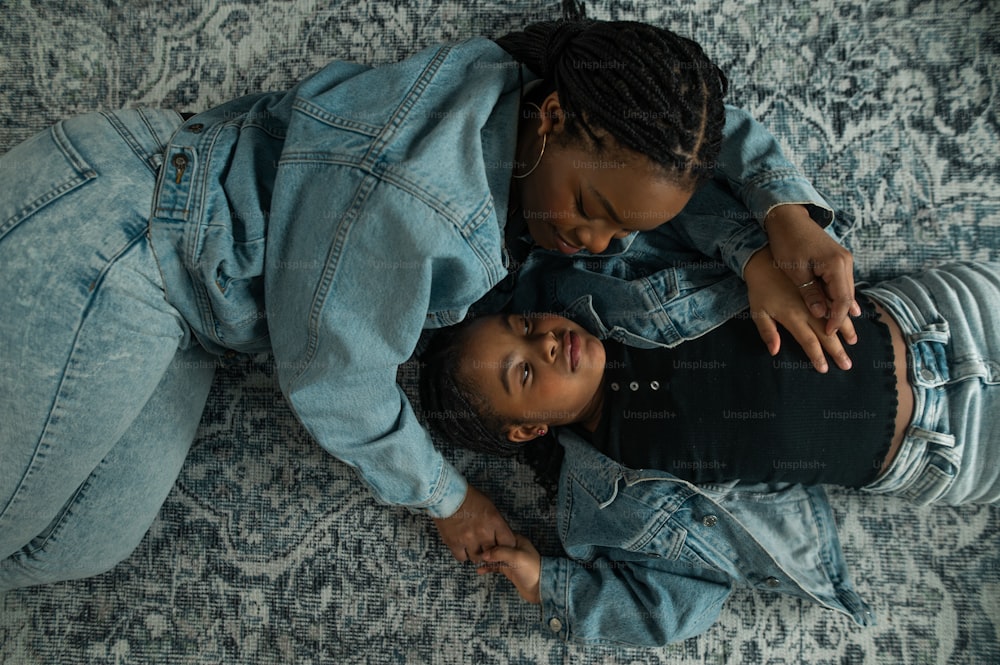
655 92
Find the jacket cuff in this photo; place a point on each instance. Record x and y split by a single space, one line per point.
780 188
449 495
553 587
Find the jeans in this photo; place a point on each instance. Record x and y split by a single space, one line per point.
950 317
101 388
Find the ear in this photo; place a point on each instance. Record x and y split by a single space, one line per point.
553 117
526 432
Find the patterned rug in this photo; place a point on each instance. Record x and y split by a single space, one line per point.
270 551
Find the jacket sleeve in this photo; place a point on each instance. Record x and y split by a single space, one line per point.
640 603
349 288
724 219
758 173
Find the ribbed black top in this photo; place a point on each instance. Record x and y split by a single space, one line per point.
720 408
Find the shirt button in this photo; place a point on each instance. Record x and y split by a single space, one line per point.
615 386
555 625
710 520
197 127
655 385
772 582
633 386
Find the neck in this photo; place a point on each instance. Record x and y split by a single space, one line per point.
591 415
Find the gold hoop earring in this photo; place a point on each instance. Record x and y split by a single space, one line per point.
539 160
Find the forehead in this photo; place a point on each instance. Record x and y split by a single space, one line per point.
637 190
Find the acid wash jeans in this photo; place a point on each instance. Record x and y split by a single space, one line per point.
101 388
950 318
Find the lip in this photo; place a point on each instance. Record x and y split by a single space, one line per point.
571 346
562 245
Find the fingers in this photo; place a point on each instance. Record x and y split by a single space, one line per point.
477 526
832 282
817 344
768 330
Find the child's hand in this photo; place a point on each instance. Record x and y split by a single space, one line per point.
815 263
774 300
521 564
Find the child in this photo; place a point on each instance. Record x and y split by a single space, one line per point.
709 417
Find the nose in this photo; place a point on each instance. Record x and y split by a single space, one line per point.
596 237
547 346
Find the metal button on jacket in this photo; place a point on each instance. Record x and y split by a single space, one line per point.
710 520
555 625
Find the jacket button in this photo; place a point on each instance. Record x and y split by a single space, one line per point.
196 127
926 374
710 520
772 582
555 625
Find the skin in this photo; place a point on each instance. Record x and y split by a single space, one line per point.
579 199
536 372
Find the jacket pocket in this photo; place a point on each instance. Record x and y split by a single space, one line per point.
38 172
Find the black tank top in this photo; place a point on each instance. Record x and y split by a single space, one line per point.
721 408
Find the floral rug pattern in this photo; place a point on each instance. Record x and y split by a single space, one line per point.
270 551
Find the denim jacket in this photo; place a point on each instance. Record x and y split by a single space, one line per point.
654 557
332 223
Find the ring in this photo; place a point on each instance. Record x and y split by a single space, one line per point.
809 283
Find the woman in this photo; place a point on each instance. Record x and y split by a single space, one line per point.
330 224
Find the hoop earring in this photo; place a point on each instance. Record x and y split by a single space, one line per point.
539 160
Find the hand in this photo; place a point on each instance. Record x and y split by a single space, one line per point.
475 527
773 299
521 564
807 255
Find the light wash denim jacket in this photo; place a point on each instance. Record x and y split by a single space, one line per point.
332 223
655 557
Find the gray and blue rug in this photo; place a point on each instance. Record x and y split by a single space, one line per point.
269 550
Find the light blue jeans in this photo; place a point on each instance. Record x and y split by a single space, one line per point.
101 389
950 317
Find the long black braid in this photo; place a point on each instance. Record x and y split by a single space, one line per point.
655 92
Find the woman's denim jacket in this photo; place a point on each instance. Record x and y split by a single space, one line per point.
332 223
654 557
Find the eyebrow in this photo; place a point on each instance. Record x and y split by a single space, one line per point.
506 363
607 204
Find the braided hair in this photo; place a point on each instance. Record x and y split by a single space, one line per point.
453 405
654 92
458 412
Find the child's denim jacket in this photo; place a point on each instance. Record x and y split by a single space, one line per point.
654 557
332 223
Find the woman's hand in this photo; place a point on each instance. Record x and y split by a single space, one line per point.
821 270
521 564
774 299
474 528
